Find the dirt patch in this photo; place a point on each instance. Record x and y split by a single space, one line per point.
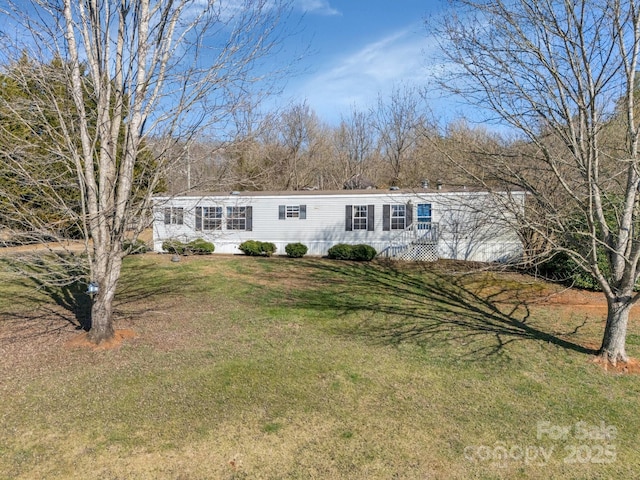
82 340
631 366
577 302
578 297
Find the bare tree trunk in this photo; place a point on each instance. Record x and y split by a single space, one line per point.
101 318
615 331
106 271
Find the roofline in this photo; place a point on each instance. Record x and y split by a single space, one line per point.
345 192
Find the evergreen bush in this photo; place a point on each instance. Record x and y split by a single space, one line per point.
340 251
363 253
268 248
562 269
296 250
256 248
174 246
200 246
360 252
132 248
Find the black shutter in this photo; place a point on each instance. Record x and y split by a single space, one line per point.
371 218
282 212
409 213
249 216
348 219
303 212
386 218
198 218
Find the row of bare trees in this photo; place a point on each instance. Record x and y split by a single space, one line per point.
396 143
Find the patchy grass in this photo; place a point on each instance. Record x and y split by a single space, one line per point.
271 368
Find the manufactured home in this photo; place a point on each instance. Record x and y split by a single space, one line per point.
453 223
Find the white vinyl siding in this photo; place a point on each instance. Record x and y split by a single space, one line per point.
327 218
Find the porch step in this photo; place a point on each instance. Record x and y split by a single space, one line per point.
418 242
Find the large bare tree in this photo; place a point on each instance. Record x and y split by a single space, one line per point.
558 73
399 121
130 71
354 143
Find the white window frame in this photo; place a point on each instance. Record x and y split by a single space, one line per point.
398 217
236 218
212 218
292 211
173 215
360 217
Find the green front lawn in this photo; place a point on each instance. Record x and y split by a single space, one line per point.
306 368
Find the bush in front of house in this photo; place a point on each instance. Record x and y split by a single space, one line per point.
174 246
268 248
360 252
250 247
255 248
340 251
198 246
563 269
296 250
132 248
363 253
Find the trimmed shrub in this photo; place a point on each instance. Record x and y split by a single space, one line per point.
268 248
250 247
256 248
562 269
200 246
360 252
174 246
296 250
341 251
363 253
132 248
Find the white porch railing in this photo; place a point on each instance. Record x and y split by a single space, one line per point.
416 242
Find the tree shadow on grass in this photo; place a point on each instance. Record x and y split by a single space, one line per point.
50 295
46 295
423 305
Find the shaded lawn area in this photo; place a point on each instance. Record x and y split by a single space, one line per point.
278 368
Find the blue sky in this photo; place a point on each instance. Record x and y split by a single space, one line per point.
360 49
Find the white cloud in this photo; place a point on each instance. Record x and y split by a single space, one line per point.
320 7
375 69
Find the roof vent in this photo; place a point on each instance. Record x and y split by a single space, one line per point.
394 188
235 192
